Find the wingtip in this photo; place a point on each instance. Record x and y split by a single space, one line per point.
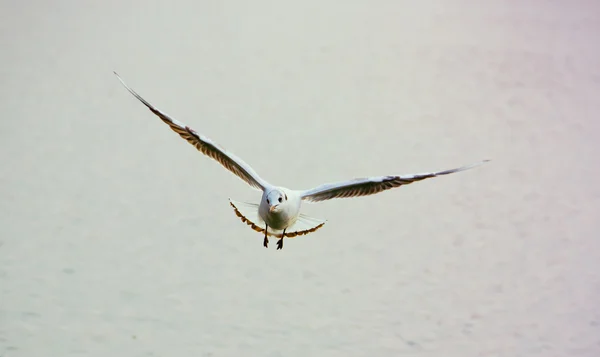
118 77
123 82
481 162
471 166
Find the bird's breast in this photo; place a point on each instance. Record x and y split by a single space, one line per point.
280 219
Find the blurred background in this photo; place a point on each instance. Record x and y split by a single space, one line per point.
117 238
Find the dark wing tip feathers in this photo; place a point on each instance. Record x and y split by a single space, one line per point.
135 94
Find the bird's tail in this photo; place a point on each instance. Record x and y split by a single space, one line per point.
248 213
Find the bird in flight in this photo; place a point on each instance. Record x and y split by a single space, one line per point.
278 213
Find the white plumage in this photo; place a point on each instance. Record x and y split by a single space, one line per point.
278 213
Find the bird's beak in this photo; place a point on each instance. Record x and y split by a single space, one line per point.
273 208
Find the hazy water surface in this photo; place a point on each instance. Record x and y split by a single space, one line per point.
117 238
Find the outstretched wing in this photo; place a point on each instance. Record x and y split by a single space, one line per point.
371 185
205 145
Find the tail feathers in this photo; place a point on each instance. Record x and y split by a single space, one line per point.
248 213
304 225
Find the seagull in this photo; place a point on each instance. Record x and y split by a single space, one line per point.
278 213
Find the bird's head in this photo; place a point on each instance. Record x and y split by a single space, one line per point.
275 198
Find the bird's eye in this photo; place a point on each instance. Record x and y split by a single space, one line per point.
268 202
279 199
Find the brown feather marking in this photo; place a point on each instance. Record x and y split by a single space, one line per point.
262 230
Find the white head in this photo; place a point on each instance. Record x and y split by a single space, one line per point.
275 198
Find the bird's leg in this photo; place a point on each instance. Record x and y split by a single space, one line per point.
266 241
280 242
